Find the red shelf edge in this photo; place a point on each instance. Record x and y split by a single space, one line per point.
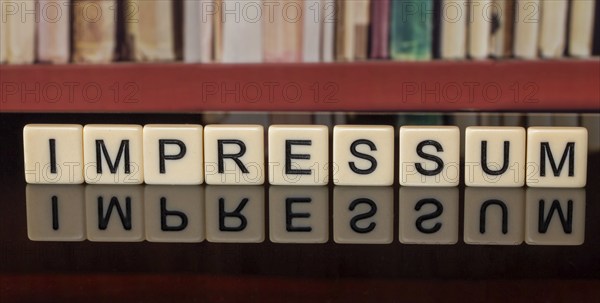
561 85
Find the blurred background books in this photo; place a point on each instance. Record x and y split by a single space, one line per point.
293 31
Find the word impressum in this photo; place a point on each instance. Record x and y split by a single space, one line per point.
305 214
299 155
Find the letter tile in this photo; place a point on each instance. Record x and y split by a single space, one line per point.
298 155
428 216
298 214
234 154
53 153
495 156
173 154
235 214
174 213
494 216
555 216
557 156
55 212
429 155
113 154
363 215
363 155
114 213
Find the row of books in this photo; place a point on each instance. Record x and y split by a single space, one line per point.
256 31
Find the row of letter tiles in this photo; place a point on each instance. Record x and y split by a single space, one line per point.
362 215
299 155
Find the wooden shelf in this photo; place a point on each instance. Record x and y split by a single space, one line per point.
561 85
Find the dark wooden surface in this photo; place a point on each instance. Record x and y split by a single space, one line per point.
268 272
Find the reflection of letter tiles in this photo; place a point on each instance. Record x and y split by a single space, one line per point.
114 213
298 214
235 214
428 215
174 213
494 216
55 213
363 215
555 216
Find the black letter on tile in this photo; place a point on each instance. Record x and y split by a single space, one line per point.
114 202
435 214
52 143
161 152
235 214
436 159
290 215
55 213
370 213
163 217
484 165
289 156
101 149
234 157
569 151
483 212
360 155
567 223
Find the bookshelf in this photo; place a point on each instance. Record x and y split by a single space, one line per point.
511 85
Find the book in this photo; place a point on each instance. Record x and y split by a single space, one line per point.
151 35
411 30
53 31
453 22
218 33
241 31
553 28
362 20
283 31
345 31
596 47
502 28
581 29
311 32
20 31
480 25
3 36
329 28
94 30
526 33
192 20
380 29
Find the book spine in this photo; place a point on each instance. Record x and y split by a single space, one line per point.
454 29
53 31
527 24
329 22
94 30
361 28
209 10
311 34
20 31
283 31
346 31
3 34
553 28
152 36
411 30
242 33
192 31
218 32
479 28
380 29
581 28
501 28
